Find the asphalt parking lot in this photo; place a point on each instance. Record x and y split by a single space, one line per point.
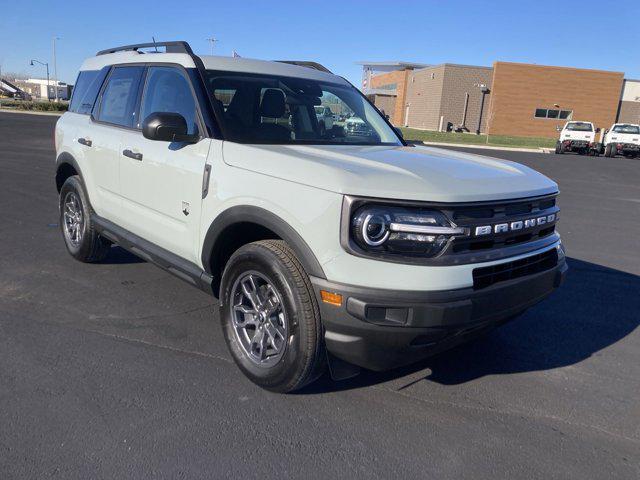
119 370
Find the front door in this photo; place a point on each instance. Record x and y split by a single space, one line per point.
161 182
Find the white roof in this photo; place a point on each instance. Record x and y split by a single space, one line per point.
232 64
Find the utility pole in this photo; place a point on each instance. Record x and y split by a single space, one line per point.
55 67
211 41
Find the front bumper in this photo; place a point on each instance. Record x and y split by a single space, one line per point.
383 329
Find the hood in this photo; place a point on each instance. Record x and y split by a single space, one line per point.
395 172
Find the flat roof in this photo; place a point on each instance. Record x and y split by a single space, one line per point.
393 63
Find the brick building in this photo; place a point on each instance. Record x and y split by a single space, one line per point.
506 99
532 100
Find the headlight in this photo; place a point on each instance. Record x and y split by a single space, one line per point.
403 231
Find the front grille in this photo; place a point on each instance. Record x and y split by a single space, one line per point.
486 276
501 212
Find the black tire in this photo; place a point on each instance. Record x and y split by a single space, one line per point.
563 149
608 151
558 146
88 246
303 358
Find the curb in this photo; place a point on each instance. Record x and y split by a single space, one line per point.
31 112
486 147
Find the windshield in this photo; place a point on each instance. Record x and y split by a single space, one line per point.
633 129
256 108
580 126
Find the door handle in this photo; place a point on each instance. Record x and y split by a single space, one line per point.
130 154
84 141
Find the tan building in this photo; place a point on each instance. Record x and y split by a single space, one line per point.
533 100
514 99
629 111
447 95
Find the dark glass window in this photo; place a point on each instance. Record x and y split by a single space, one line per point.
565 114
119 98
86 90
168 90
553 113
541 113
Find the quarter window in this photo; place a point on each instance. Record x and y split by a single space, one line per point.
553 113
86 90
168 90
119 98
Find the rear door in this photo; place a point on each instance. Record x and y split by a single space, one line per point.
161 181
114 114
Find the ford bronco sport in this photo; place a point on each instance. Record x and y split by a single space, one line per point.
344 251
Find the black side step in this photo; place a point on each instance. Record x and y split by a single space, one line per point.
172 263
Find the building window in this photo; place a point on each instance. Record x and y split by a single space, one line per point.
553 113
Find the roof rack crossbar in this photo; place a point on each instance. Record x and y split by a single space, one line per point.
170 47
314 65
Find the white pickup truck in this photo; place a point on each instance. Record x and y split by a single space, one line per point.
578 137
623 139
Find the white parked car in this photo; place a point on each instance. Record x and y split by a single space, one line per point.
622 139
579 137
324 115
353 251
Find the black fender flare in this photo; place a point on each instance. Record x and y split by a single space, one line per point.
66 157
259 216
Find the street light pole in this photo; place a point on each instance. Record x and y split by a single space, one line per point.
211 40
46 64
55 67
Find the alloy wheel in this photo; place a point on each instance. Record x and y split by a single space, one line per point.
259 321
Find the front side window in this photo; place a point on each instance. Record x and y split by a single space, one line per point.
120 96
579 127
168 91
257 108
632 129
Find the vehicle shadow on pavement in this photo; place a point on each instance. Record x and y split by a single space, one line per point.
120 256
595 308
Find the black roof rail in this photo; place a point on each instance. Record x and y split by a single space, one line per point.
314 65
170 47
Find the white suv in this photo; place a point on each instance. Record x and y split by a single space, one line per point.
350 251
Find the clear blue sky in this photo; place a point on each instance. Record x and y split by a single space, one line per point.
334 33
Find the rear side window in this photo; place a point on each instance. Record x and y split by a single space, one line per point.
119 98
168 90
86 90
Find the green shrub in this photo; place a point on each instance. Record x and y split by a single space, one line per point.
35 106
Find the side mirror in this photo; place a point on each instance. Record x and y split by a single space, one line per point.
558 128
399 132
167 127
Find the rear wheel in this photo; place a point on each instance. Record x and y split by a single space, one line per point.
83 242
270 317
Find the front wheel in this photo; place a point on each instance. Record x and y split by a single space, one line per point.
608 150
558 148
270 317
